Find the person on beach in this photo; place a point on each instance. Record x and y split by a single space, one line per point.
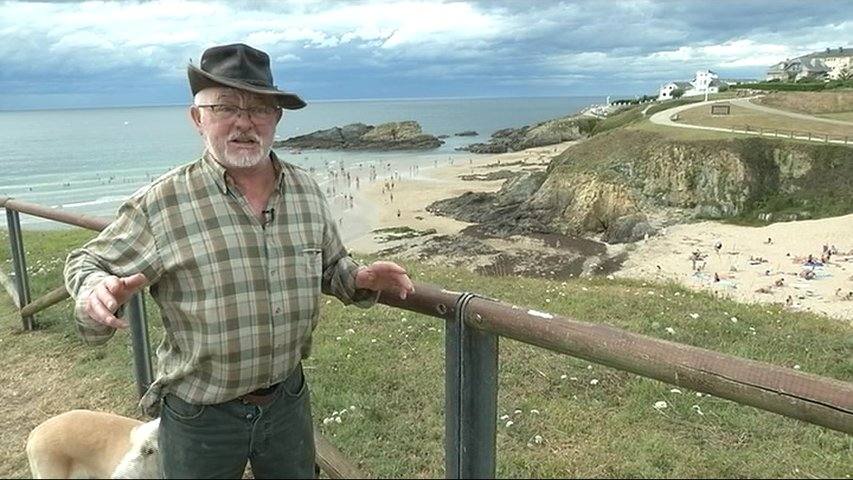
236 248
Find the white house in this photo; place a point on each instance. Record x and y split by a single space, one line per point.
829 64
704 82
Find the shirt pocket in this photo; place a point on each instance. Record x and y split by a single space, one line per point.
311 264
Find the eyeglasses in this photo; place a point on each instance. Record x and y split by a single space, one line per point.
224 111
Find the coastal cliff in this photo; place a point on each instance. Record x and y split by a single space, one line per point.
625 184
406 135
550 132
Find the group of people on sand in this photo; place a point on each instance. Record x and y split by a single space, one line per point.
810 269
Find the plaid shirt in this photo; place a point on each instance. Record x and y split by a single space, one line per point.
239 298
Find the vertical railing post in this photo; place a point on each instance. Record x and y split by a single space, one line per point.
19 262
138 322
471 396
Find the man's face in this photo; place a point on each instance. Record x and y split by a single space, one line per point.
235 138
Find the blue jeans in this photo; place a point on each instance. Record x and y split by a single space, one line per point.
216 441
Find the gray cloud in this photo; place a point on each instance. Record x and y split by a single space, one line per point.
339 49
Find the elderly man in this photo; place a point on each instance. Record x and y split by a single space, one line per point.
236 248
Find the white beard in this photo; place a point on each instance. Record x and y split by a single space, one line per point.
239 160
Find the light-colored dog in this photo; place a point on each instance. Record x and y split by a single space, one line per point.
87 444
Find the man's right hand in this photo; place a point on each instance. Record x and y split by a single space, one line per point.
109 295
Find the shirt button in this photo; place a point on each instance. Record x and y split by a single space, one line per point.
278 310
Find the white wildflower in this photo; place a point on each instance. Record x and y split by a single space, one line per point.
534 411
670 330
337 419
675 390
563 377
796 367
733 319
350 331
538 439
504 417
509 423
694 316
517 411
594 381
697 409
660 405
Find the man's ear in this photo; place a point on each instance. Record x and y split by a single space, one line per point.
195 116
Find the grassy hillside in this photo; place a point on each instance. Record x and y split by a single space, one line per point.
810 102
388 365
789 179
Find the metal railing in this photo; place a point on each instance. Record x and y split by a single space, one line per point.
474 325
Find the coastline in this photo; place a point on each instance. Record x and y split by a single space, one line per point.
749 269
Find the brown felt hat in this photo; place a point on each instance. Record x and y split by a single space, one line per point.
242 67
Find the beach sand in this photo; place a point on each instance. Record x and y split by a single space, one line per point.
411 195
749 269
743 275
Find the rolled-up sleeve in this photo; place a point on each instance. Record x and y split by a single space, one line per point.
126 247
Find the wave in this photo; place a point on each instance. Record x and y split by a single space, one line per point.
98 201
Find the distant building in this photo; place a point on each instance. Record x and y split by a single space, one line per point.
704 82
826 65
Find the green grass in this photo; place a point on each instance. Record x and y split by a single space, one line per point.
399 233
683 134
844 116
391 370
797 86
625 117
667 104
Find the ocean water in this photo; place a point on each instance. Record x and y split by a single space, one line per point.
91 160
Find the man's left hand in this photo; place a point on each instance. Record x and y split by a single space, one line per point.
384 276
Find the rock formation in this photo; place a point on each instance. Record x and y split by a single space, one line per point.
358 136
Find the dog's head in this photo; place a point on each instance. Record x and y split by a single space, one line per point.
143 458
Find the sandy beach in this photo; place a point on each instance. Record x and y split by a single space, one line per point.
411 195
756 264
752 264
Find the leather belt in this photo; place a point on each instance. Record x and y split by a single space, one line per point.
259 397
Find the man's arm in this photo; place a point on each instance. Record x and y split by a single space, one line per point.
351 282
103 274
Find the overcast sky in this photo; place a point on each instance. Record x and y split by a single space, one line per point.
89 54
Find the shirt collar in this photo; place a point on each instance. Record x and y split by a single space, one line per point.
222 180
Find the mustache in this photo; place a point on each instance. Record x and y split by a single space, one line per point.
245 137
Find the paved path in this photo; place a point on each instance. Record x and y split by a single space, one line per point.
665 118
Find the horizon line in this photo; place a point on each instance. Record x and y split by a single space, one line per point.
333 100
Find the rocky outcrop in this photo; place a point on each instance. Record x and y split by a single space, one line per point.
466 133
625 184
358 136
546 133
